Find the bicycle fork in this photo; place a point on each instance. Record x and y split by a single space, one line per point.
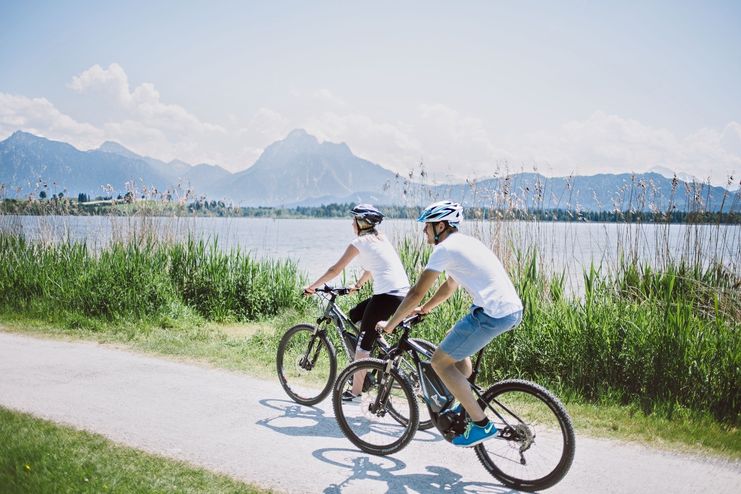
307 362
385 383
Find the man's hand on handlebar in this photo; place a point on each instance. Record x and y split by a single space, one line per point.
381 327
412 319
420 311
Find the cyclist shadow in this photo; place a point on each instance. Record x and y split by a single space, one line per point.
381 469
299 420
302 420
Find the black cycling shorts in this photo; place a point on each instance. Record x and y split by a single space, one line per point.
370 311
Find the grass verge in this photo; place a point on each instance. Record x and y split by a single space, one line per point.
37 456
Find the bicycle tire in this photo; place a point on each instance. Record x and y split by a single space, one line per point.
407 430
551 423
295 343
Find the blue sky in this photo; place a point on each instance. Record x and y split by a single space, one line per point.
468 88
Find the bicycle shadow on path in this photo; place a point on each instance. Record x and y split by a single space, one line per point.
301 420
389 470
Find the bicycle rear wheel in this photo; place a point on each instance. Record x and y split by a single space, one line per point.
307 364
366 421
535 445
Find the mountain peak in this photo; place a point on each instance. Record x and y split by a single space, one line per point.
20 136
300 136
297 133
115 148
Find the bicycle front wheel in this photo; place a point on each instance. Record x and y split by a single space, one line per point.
366 420
307 364
535 445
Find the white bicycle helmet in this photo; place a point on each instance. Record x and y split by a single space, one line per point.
368 212
449 211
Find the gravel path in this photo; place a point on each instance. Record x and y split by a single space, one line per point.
247 428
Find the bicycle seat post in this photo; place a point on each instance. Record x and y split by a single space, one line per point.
472 377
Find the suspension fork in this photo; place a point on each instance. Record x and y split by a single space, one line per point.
385 383
308 360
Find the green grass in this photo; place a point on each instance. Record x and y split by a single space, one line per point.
143 280
246 347
37 456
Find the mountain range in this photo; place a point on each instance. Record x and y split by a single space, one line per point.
300 170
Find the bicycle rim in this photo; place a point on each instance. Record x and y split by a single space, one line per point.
306 365
366 421
534 447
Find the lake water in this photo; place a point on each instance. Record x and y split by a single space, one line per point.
314 244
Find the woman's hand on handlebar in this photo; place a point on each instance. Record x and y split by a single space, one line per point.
309 290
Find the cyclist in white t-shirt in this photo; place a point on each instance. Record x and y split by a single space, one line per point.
380 261
496 307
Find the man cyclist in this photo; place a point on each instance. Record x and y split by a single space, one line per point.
496 307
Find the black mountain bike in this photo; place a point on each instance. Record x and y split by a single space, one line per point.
307 358
535 443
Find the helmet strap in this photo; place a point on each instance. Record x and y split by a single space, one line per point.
367 229
447 228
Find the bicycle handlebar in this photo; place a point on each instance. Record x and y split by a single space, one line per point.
411 321
332 290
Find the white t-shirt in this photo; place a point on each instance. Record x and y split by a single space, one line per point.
378 256
477 269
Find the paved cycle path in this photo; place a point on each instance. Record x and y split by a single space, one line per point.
247 428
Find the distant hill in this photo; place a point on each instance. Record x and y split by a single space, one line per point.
29 162
602 192
301 171
199 177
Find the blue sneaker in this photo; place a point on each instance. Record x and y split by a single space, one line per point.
475 434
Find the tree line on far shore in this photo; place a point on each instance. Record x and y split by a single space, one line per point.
123 205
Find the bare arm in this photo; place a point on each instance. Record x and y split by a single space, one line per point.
410 302
335 269
363 279
441 295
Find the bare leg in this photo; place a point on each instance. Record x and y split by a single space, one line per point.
454 376
359 377
465 367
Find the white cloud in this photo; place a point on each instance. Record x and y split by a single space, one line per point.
40 117
112 81
450 143
150 127
326 97
610 143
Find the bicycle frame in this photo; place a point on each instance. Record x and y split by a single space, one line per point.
333 314
409 347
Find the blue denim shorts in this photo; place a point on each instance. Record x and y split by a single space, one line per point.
475 331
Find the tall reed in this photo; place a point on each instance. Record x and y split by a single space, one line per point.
143 280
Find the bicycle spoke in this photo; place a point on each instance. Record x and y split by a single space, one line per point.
367 420
534 445
306 365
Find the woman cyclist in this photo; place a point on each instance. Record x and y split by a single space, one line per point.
379 260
